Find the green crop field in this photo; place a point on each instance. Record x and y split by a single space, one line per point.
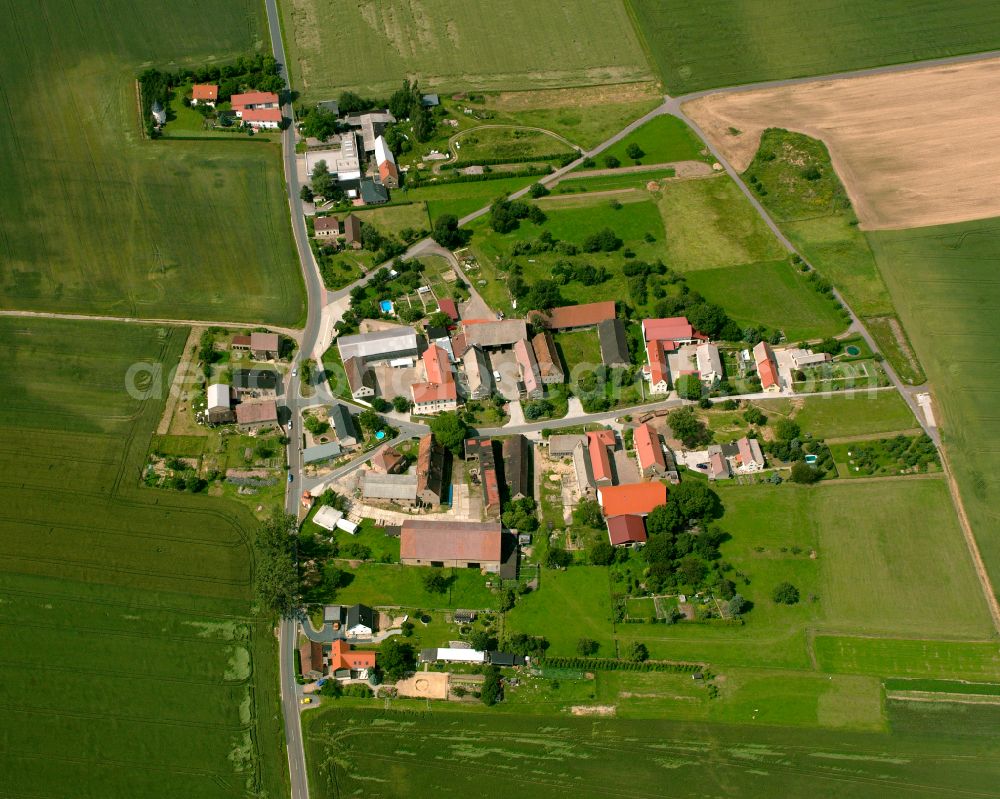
416 753
132 664
663 139
772 293
372 45
94 219
797 183
739 41
709 223
946 285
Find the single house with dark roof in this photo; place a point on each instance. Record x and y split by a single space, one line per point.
518 463
326 227
549 365
360 378
255 383
614 345
431 466
343 424
259 415
372 192
352 231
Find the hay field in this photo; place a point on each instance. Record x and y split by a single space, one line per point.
945 282
729 42
93 219
131 662
914 148
371 45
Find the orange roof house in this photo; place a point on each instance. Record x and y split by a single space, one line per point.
344 656
672 332
241 102
207 93
657 369
439 392
767 367
262 117
599 442
637 498
649 450
570 317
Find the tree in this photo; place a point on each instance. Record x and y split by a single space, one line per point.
401 404
692 570
737 605
482 640
611 162
306 194
634 151
370 420
306 370
601 553
588 514
396 658
276 579
318 123
586 647
637 652
438 319
450 431
434 581
754 415
688 387
785 594
686 426
322 181
423 123
604 240
508 598
491 690
446 232
537 190
541 296
557 558
802 472
351 103
665 519
786 430
696 500
402 101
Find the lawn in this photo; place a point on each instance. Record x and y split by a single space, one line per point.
740 41
852 414
585 115
946 285
451 47
961 660
95 219
622 180
391 219
441 750
663 139
581 594
384 584
709 223
172 685
580 350
772 293
803 193
507 142
463 198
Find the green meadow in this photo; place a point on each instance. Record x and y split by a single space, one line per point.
740 41
663 139
946 285
133 661
95 219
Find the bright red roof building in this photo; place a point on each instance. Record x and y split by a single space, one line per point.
659 371
252 115
253 99
448 308
647 446
626 529
205 92
598 443
767 366
344 656
672 331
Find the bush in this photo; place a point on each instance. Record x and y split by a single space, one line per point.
802 472
637 652
785 594
587 647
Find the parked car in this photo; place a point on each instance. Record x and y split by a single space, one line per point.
306 700
291 477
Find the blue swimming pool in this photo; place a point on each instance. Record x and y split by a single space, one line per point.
386 306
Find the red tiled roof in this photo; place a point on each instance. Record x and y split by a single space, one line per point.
255 412
262 115
647 445
424 393
570 316
440 385
387 459
344 656
635 498
241 341
327 223
448 307
473 542
252 98
600 460
626 529
546 354
658 369
205 91
674 328
436 364
387 170
767 366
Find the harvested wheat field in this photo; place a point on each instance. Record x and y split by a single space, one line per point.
913 148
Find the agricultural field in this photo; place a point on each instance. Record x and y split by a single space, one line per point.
738 41
449 47
946 285
351 748
94 219
662 140
171 678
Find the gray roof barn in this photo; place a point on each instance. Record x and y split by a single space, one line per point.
614 345
400 487
382 345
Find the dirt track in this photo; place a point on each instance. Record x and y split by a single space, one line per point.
914 148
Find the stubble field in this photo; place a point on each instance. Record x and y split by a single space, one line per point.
883 133
94 219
